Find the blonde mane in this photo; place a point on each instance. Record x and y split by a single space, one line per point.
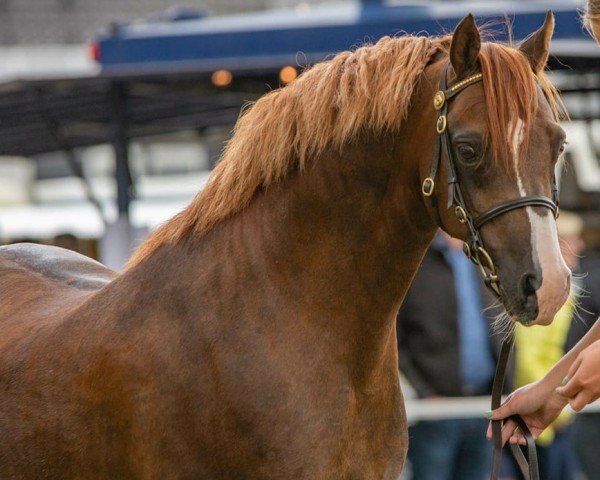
327 106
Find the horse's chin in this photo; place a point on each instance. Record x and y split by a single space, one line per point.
527 314
534 316
526 319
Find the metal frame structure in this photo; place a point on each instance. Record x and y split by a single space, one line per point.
157 78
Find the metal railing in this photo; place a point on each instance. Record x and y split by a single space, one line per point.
458 407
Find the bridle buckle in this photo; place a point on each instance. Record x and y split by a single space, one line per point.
428 187
441 124
487 268
467 251
461 215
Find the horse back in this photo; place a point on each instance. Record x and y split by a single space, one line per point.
37 281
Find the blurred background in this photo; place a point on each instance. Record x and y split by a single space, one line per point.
114 112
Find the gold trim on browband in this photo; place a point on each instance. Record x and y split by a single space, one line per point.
466 82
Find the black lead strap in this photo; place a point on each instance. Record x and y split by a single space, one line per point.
528 465
475 251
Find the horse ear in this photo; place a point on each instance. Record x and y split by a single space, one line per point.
536 47
465 47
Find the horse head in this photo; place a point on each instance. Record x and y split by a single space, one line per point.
502 142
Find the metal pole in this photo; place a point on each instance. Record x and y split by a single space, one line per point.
120 144
72 158
118 241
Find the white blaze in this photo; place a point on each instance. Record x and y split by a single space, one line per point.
554 290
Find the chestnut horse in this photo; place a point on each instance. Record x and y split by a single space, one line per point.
253 335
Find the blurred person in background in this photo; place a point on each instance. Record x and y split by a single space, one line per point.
446 350
539 347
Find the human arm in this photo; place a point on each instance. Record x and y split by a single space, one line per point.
583 379
539 403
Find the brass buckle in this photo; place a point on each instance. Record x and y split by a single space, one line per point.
441 124
427 187
487 269
467 250
461 214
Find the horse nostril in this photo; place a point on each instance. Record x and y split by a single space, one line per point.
527 298
530 282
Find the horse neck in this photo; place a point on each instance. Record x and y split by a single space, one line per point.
334 246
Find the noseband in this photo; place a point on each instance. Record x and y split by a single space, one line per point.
475 251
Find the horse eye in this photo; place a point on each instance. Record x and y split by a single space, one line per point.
467 152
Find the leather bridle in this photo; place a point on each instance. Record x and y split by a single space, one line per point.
475 251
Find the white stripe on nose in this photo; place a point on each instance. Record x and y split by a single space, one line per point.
545 249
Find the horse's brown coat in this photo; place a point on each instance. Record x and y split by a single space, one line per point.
263 348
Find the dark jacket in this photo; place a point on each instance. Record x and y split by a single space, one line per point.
427 327
588 309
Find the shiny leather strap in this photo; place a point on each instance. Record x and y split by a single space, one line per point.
529 465
527 201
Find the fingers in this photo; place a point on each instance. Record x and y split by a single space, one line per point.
505 410
579 401
575 366
583 385
577 395
509 429
572 386
518 438
510 433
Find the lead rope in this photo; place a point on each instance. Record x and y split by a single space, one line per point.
529 469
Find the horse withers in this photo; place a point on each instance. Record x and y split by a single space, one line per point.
253 335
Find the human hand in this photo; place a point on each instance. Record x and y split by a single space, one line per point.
583 385
537 403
